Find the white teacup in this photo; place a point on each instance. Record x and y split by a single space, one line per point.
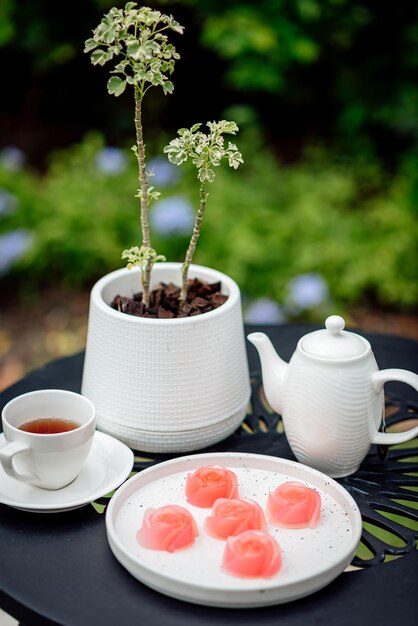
50 461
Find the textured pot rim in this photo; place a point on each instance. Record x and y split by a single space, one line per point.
228 284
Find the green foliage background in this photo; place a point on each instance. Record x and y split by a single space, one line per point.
265 224
326 96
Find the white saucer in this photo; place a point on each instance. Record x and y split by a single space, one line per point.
312 558
109 463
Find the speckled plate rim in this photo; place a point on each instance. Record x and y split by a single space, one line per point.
213 594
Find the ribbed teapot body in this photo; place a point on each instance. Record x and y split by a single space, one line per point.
331 411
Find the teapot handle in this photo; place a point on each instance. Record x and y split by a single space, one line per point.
401 376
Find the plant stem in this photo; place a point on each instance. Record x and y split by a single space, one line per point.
193 243
143 185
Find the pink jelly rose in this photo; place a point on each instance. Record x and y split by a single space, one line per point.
293 505
232 517
170 528
252 554
208 483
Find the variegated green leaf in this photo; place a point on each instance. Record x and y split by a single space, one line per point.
168 87
90 45
116 85
98 57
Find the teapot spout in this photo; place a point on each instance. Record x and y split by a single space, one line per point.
273 370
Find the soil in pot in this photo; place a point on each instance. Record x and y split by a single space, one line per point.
202 297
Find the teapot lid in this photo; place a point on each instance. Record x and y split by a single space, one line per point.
333 342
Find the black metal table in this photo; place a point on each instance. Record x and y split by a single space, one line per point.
58 568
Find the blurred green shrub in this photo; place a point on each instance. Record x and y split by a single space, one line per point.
346 70
348 222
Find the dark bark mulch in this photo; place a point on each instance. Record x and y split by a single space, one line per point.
202 297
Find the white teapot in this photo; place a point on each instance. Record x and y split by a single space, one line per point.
330 396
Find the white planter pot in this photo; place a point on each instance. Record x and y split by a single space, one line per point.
166 385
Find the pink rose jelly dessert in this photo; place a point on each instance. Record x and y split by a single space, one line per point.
208 483
293 505
170 528
233 516
252 554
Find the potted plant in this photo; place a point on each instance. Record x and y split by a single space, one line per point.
162 382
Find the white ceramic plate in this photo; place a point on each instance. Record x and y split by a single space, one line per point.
109 463
311 557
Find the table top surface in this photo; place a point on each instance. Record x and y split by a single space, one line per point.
58 568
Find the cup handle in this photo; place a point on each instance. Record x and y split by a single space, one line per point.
401 376
7 455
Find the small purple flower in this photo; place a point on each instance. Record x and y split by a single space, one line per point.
162 172
8 202
307 291
172 216
264 311
12 158
13 246
111 161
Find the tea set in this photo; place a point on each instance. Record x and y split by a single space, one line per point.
330 396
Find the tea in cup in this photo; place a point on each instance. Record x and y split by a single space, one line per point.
49 434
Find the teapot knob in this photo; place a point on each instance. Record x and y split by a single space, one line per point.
334 324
